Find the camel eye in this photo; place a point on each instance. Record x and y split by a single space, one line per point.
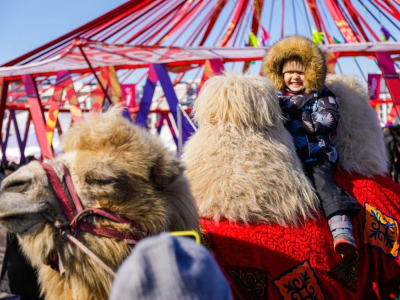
15 186
100 181
103 181
100 177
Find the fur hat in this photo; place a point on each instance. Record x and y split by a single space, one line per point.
297 47
293 65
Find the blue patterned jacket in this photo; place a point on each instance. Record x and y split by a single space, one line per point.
311 119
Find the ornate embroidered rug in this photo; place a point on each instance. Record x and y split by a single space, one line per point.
272 262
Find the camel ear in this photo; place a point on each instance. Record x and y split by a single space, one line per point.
164 172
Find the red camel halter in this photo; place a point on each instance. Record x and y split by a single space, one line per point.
77 216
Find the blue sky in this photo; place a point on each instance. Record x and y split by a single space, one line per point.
27 24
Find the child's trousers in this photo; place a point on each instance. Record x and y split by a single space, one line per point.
333 198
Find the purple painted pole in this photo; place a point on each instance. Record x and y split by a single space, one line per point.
171 128
145 103
21 144
28 123
126 114
172 99
160 123
165 117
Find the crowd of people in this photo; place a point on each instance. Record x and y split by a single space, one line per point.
6 168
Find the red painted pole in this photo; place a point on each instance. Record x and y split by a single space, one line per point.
147 10
3 100
94 73
236 17
37 114
164 14
391 77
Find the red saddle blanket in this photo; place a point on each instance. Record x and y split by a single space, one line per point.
273 262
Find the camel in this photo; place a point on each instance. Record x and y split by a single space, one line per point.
258 212
115 167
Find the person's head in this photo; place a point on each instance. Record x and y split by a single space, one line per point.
169 268
295 53
293 74
30 158
393 130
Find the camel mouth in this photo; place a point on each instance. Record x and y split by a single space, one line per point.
22 210
20 216
21 223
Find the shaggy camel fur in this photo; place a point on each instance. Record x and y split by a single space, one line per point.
115 166
358 154
248 169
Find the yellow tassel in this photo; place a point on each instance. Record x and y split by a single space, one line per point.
253 40
317 37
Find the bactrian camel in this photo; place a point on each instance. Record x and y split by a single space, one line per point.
116 167
259 213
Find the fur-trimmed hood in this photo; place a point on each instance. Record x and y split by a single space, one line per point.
300 47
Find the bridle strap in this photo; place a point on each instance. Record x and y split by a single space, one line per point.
59 190
76 214
106 232
104 214
84 249
72 191
89 253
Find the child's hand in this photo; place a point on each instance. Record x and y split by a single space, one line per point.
294 104
322 91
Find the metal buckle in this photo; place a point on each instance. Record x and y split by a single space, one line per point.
65 229
190 234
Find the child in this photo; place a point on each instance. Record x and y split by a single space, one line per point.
297 68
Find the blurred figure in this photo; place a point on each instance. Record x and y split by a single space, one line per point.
396 149
18 278
170 268
10 167
391 139
2 172
30 158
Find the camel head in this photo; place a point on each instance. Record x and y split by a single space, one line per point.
116 167
24 199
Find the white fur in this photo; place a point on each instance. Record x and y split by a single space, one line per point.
360 140
242 164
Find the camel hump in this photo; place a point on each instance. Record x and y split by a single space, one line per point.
359 140
241 163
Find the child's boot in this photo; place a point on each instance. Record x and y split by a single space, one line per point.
343 239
